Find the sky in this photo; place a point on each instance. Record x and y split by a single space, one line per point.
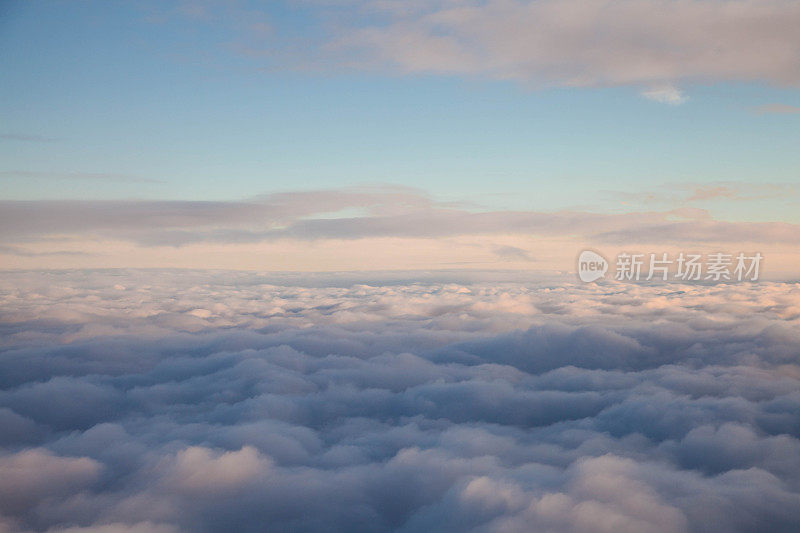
315 265
640 106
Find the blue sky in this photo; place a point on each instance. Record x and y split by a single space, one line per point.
167 104
310 135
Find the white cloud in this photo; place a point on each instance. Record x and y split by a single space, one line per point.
35 474
341 403
199 469
665 95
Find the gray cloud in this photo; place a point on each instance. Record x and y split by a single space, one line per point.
206 401
653 45
19 251
187 221
381 212
512 253
779 109
26 137
645 43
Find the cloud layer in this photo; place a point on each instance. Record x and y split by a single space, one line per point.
374 212
650 44
655 46
187 400
376 228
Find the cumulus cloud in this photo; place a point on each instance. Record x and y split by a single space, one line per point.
198 468
34 475
208 401
602 494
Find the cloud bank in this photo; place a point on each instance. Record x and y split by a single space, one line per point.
372 228
592 43
199 401
653 45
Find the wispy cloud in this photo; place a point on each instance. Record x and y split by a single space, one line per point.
306 216
26 138
738 191
513 253
777 109
364 229
675 194
646 43
22 252
653 45
665 95
98 176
